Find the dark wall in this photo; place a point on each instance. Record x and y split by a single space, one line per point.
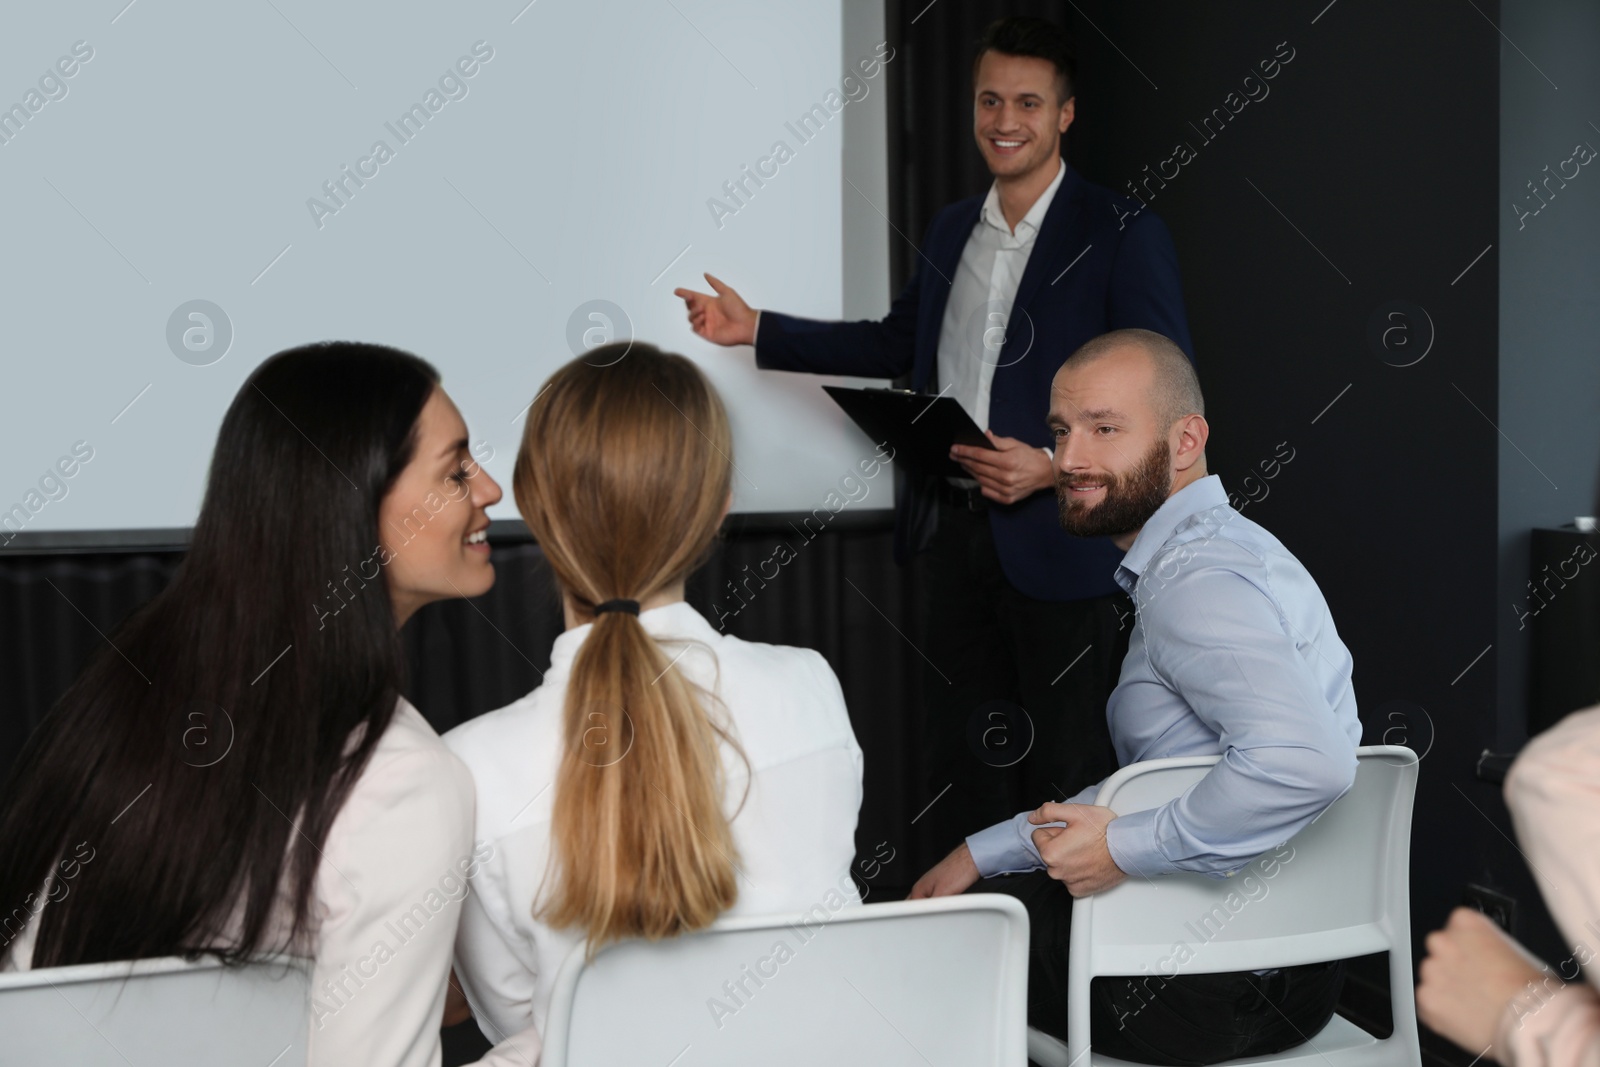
1549 269
1549 411
1363 180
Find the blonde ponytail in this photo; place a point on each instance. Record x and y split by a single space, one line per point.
622 476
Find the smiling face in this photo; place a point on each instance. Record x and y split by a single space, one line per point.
1016 115
1114 457
433 523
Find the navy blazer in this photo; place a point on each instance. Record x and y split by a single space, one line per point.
1099 263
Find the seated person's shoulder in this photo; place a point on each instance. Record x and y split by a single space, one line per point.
412 804
782 667
504 751
1218 544
1227 566
781 697
1569 750
480 739
413 756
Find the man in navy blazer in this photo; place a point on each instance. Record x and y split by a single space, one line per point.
1006 286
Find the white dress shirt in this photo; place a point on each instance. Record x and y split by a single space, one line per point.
981 297
386 901
795 833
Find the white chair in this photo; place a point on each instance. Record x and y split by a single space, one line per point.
160 1011
907 983
1343 891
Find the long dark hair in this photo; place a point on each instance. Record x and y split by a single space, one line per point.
231 704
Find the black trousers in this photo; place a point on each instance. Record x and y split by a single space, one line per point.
1188 1020
1016 688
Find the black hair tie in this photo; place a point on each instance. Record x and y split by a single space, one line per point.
629 606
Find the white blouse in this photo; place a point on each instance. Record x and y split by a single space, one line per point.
388 891
795 833
395 867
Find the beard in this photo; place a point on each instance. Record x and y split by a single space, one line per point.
1128 501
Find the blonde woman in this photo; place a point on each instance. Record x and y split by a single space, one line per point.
664 773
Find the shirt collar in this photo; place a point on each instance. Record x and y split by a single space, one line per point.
675 620
1160 528
992 214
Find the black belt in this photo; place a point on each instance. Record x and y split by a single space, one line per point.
965 497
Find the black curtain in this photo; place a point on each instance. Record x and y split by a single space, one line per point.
839 595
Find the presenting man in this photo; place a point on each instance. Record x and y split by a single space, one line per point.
1025 626
1234 654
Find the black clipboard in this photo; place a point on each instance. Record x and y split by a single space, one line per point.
920 428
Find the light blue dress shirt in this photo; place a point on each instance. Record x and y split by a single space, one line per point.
1233 653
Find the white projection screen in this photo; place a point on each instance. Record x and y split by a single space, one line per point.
196 185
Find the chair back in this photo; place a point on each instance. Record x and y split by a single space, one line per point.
1339 888
169 1011
903 983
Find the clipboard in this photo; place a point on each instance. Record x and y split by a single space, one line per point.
920 428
